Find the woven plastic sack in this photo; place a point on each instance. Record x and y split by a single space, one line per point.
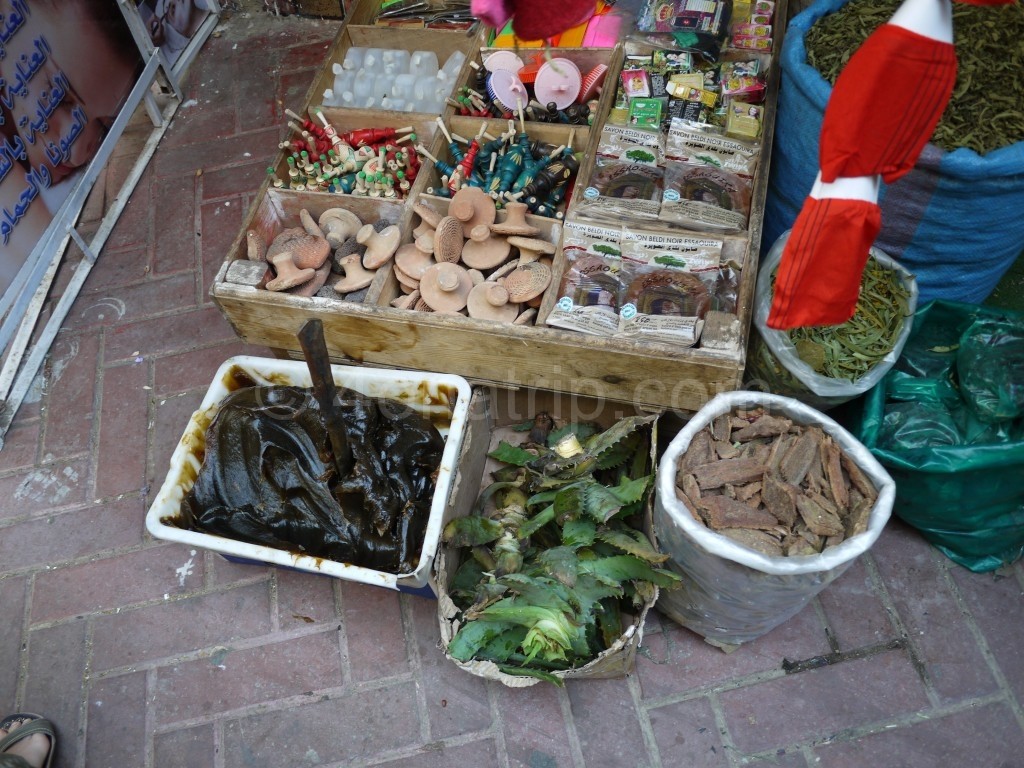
731 594
774 362
954 220
959 481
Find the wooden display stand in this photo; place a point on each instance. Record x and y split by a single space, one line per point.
644 374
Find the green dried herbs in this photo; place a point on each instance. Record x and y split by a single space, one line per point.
986 111
550 562
850 350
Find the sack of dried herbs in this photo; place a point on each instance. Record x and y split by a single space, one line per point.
761 503
954 219
830 365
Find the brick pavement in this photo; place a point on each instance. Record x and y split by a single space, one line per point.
154 655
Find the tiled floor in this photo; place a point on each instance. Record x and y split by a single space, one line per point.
150 654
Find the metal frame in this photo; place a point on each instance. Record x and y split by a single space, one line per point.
22 303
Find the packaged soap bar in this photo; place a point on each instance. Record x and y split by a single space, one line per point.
705 198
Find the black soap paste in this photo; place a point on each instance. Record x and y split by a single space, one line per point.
269 477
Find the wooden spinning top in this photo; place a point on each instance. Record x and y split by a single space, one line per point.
448 240
473 207
515 221
527 281
414 258
482 251
489 301
445 287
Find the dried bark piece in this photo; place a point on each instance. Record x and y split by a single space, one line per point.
723 512
779 497
778 450
797 461
729 491
800 529
720 427
834 473
726 450
818 519
857 521
834 541
765 426
756 450
717 473
688 483
796 546
699 451
759 541
858 479
690 506
825 503
745 492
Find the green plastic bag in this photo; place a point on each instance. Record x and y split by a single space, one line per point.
959 480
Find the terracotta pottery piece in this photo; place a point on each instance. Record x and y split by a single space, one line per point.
489 301
515 221
484 251
504 269
423 229
476 276
255 245
473 207
408 284
338 225
308 251
356 276
310 288
445 287
526 318
408 301
527 281
380 246
415 258
288 275
530 248
308 224
448 240
427 215
284 240
422 306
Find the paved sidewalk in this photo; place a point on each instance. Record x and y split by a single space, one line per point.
155 655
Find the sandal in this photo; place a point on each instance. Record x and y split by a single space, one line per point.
35 724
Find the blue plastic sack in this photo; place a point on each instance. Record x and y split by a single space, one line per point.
954 221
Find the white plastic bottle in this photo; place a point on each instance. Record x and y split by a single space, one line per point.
353 59
423 63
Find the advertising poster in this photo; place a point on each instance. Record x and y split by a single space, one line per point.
66 69
173 23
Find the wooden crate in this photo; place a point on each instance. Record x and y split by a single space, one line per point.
645 374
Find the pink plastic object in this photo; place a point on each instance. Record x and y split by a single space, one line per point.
508 88
592 82
559 80
503 60
602 31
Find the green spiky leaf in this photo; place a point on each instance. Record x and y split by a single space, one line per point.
471 531
561 562
620 568
603 503
505 645
537 522
474 635
540 674
523 426
578 533
512 454
633 542
568 503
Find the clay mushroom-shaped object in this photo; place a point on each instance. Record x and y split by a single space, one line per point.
310 287
415 258
473 207
484 251
356 277
476 276
308 224
338 225
407 283
530 248
380 246
515 221
448 240
288 275
307 251
429 219
256 247
445 287
527 281
526 318
489 301
406 300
